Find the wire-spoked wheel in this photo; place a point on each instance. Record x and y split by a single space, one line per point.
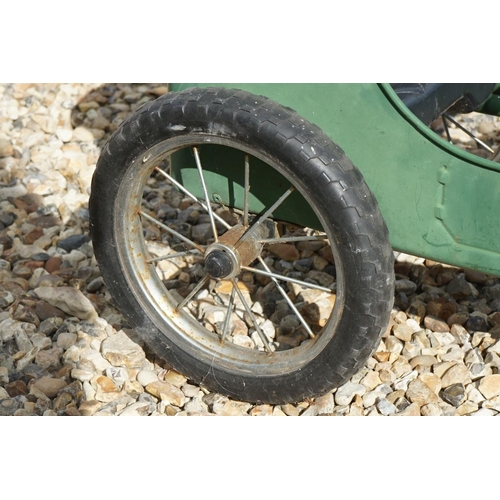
276 290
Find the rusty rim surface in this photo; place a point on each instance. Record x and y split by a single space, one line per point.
207 314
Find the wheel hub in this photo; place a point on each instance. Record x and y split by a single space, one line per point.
218 264
223 260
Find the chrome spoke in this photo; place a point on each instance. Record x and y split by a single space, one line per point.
194 291
173 256
267 213
205 192
227 319
288 239
247 190
447 130
252 317
468 132
172 231
288 300
304 284
179 186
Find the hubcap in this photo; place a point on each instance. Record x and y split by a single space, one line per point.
218 264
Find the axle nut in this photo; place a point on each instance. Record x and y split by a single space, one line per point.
218 264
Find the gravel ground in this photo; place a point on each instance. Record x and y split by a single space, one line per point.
66 350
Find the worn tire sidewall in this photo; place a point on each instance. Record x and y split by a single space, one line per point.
336 362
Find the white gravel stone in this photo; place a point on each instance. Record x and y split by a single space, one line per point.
484 412
66 339
473 356
385 407
4 375
492 360
423 360
69 300
444 338
479 371
473 394
414 325
460 333
192 391
490 386
455 353
72 355
145 377
82 375
411 350
227 407
89 391
371 380
12 191
9 328
196 405
394 345
346 393
117 374
494 348
370 398
418 392
92 360
403 332
119 350
401 367
457 374
431 410
22 341
138 409
166 392
65 135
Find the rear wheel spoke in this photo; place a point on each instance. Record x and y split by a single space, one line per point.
304 284
267 213
288 300
227 319
247 190
192 196
468 132
194 291
173 232
293 239
261 334
205 192
173 256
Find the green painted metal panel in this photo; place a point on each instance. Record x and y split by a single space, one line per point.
223 171
491 106
439 202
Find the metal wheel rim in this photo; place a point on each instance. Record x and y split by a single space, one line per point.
159 303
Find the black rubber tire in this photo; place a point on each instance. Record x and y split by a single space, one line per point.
325 174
